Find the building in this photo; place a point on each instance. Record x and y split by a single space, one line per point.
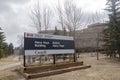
88 38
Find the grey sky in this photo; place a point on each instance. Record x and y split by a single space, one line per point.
14 15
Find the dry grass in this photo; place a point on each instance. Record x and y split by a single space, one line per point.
8 60
103 69
11 74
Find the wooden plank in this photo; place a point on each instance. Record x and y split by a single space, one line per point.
51 66
24 74
54 72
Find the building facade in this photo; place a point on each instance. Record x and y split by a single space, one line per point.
89 38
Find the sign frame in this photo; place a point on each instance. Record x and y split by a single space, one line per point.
52 37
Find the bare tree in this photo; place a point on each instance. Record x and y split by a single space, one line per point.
46 18
36 16
20 41
60 13
69 16
72 16
41 17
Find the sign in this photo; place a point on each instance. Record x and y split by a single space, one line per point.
42 44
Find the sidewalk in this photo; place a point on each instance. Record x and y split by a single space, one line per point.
4 67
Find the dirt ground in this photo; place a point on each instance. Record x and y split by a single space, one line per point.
8 60
10 73
102 69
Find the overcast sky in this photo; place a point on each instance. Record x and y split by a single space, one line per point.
14 15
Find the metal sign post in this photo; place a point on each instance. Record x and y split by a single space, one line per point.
98 36
74 57
24 57
54 58
24 61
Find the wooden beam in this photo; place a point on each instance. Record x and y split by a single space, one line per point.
54 72
51 66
